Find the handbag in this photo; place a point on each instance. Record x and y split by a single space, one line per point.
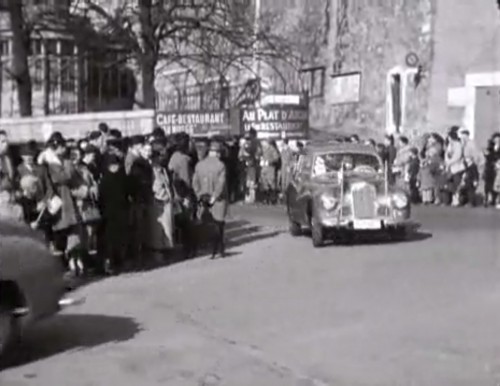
91 214
55 203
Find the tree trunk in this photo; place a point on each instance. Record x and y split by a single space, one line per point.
148 66
149 55
20 52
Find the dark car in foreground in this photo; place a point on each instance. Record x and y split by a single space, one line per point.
31 282
337 189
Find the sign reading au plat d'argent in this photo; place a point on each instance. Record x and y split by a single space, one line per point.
195 123
276 122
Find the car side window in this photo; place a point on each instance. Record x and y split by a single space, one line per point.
306 166
298 165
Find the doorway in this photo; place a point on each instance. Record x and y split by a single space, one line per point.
487 113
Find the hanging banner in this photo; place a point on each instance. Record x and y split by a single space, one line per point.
195 123
276 121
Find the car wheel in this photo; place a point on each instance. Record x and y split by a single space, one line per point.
8 331
317 233
294 228
399 234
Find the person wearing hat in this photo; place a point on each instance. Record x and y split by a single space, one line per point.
60 174
202 147
134 151
114 196
209 180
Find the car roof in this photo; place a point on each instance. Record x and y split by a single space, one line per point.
340 147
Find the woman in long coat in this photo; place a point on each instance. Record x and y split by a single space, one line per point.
60 177
455 164
431 172
161 216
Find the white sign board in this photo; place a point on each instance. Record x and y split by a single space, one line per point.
344 88
280 100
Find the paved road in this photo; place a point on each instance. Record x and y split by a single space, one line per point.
279 313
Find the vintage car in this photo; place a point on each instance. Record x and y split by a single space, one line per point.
340 188
31 282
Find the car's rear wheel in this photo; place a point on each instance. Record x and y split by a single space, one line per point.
317 234
8 331
294 228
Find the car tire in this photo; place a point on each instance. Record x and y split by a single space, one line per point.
399 234
294 228
9 332
317 234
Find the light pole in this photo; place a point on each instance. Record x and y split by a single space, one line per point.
256 60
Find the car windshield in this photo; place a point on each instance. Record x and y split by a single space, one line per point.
328 163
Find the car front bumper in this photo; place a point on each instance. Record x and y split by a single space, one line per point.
379 224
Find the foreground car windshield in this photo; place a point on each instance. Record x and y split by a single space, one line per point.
328 163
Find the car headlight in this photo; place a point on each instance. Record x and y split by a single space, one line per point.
328 202
400 200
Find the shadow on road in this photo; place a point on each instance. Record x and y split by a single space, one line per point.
237 234
70 332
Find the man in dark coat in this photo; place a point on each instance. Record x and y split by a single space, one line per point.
209 182
141 194
114 206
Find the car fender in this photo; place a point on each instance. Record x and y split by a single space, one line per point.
26 261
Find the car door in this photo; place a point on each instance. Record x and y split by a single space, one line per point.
304 191
292 190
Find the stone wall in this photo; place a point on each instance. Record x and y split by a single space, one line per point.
467 40
377 37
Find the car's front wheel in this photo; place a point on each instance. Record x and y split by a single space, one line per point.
317 234
8 331
399 234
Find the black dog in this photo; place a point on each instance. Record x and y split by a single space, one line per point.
206 230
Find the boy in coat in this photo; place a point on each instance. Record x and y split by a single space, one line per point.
209 180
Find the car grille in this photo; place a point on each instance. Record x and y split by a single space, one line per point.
364 198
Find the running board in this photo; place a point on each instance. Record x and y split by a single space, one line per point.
20 312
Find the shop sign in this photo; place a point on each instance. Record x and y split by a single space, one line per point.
194 123
276 122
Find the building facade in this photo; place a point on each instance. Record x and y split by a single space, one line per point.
398 66
65 78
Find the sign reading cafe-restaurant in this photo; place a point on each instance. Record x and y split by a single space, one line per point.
194 122
276 122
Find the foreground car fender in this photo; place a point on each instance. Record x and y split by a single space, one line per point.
31 282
